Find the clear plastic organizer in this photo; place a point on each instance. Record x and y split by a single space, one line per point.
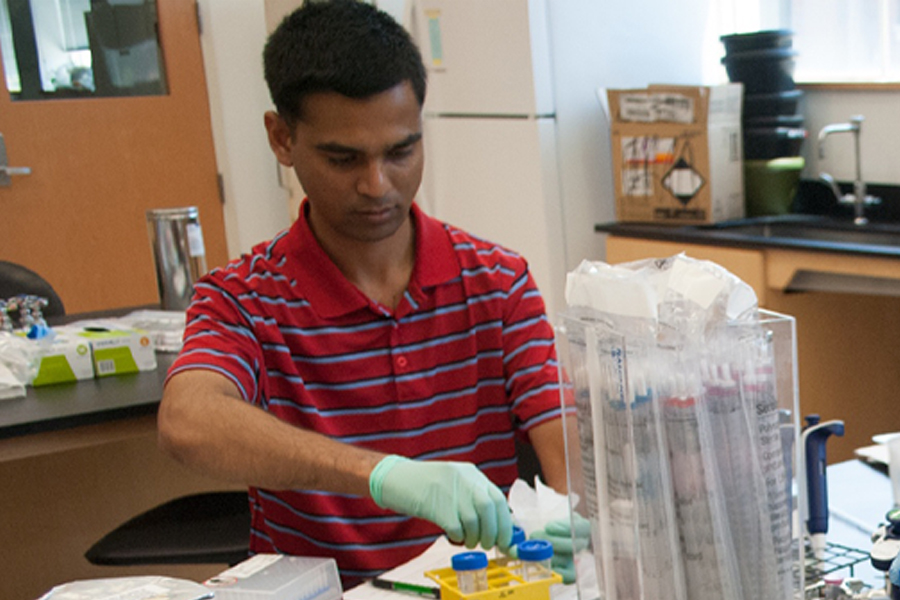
503 583
681 455
278 577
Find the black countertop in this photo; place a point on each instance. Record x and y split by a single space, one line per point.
87 402
817 224
66 405
834 235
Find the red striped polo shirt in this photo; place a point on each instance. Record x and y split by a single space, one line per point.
463 363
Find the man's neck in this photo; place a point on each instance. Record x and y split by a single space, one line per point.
380 270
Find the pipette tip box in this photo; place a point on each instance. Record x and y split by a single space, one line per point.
278 577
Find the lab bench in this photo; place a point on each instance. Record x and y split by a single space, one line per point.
77 460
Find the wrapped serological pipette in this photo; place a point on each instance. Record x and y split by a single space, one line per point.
624 473
764 398
677 377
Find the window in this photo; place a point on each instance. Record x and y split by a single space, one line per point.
846 40
64 48
837 41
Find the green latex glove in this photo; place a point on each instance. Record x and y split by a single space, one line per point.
568 536
456 496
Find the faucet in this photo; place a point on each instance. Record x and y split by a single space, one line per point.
859 198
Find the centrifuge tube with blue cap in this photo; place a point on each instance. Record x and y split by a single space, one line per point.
535 557
471 571
508 559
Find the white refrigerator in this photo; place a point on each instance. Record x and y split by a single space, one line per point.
490 128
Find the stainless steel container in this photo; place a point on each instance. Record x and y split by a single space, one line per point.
179 253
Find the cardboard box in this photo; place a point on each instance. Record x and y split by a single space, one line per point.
67 358
119 351
115 350
677 153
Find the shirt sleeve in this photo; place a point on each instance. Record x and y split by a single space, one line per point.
220 336
529 354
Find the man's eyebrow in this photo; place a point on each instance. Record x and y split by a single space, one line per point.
337 148
409 141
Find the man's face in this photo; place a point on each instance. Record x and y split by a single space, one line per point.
359 161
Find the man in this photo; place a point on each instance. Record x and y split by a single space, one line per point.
366 372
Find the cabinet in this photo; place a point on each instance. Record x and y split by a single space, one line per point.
63 490
848 325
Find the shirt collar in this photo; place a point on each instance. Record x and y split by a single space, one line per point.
331 294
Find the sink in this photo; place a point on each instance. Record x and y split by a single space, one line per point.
810 231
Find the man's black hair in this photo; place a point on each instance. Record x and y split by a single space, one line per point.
343 46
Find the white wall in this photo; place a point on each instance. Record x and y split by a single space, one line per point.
878 138
234 33
611 45
662 43
598 44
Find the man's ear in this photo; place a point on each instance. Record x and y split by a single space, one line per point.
280 137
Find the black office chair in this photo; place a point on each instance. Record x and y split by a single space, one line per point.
16 279
205 528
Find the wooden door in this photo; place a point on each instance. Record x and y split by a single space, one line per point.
97 164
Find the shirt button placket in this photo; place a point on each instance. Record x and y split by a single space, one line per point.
400 361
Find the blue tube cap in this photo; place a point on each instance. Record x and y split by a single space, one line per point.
469 561
38 332
535 550
518 536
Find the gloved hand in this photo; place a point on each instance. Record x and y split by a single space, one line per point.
568 536
456 496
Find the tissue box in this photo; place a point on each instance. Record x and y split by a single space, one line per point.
677 155
66 359
166 327
116 351
278 577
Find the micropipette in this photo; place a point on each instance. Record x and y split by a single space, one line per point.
813 440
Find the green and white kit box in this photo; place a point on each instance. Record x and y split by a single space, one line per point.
65 359
120 351
117 351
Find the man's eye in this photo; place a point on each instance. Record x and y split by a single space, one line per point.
342 160
400 153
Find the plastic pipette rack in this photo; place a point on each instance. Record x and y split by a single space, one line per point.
502 583
836 557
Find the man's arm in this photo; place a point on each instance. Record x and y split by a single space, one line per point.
205 424
549 441
550 446
572 534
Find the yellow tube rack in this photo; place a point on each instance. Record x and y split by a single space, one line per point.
503 584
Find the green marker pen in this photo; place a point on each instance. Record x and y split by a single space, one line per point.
407 588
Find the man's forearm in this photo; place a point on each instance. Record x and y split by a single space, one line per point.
204 424
549 444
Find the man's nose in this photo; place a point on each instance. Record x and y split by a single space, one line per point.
373 181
